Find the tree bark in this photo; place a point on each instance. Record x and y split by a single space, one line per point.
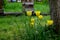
1 7
55 13
0 4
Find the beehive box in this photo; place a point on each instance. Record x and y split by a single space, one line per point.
28 5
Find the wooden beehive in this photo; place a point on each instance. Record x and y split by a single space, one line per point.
28 5
14 0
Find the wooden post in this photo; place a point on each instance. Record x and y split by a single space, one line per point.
55 13
1 7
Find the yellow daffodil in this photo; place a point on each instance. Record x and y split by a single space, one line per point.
40 17
37 13
49 22
29 13
32 23
32 19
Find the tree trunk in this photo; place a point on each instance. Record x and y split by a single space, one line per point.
1 6
55 13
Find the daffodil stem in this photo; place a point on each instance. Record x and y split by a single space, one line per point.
40 23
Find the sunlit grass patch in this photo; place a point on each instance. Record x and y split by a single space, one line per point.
42 7
13 7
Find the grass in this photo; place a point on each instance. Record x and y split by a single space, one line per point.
17 28
42 7
13 7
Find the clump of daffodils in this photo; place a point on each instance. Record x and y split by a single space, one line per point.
37 13
49 22
40 17
29 13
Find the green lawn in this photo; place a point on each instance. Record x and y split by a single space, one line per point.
17 28
13 7
44 8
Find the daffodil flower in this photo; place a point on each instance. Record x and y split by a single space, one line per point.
29 13
49 22
32 24
37 13
40 17
32 19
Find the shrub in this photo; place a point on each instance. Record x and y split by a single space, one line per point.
4 2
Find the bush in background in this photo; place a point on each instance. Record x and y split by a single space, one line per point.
5 2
